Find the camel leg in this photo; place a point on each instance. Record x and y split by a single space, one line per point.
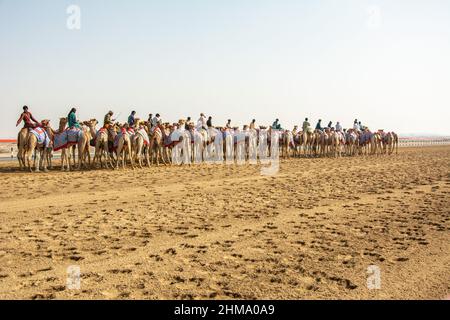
88 164
21 157
37 160
68 157
130 157
96 158
63 158
147 156
157 155
28 154
105 153
140 157
80 159
119 152
44 160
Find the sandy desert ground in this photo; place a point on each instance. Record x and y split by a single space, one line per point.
224 232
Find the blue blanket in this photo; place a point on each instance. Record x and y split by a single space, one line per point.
67 138
41 136
74 135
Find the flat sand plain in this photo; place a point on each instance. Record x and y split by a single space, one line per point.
228 232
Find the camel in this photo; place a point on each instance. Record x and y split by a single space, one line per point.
64 151
395 143
182 151
366 142
198 150
351 142
335 144
32 146
81 143
390 143
228 146
49 151
376 144
140 148
285 143
87 148
296 141
22 138
307 139
324 143
100 142
157 144
251 145
239 146
124 149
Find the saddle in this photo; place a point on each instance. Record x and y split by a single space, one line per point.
42 137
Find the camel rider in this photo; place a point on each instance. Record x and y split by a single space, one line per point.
228 125
156 121
361 127
29 121
276 125
306 125
72 119
186 125
209 122
330 125
201 123
253 125
319 125
108 121
338 127
132 119
356 125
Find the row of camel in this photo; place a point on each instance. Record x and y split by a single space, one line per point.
129 147
332 143
120 145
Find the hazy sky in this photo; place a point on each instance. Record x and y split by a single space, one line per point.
384 62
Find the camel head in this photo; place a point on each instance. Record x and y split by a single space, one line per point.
45 123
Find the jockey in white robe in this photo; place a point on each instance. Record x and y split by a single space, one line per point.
201 123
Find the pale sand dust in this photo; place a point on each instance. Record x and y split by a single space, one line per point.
228 232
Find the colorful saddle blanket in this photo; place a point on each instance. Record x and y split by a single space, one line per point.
365 137
120 134
67 138
41 136
144 135
74 135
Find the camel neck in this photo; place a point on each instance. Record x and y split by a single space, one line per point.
62 127
92 129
